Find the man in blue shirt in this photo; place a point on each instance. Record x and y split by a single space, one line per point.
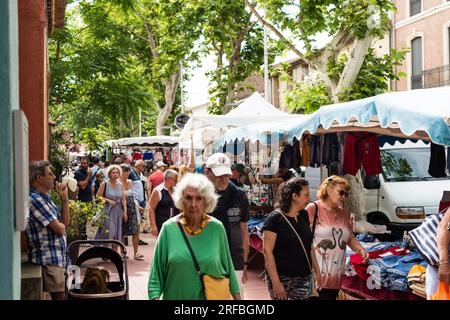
46 229
138 187
84 178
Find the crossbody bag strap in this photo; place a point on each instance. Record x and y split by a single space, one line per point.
315 218
104 192
197 266
298 237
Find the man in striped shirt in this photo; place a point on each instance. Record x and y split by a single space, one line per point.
46 229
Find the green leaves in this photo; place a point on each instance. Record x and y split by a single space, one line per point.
307 96
237 43
374 76
82 213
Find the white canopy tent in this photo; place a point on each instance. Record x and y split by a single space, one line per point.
152 141
205 130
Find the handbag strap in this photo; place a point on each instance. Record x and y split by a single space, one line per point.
315 218
197 266
298 237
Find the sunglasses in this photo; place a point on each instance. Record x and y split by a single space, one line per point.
344 193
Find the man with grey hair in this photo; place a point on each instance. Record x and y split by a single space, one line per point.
46 228
232 211
139 188
161 206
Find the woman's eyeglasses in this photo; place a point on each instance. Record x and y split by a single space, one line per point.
344 193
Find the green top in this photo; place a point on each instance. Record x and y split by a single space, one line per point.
173 273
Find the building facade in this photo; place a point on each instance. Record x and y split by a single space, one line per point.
424 27
9 101
25 26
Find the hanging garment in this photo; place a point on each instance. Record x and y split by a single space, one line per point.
342 136
137 156
305 149
330 150
290 156
158 156
437 165
296 158
168 158
286 157
448 159
148 155
315 159
362 148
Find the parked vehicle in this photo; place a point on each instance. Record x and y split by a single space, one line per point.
404 193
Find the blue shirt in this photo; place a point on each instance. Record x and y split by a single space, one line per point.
45 247
84 195
137 187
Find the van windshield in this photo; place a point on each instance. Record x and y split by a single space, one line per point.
409 164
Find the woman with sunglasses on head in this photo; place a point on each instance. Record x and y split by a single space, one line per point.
332 232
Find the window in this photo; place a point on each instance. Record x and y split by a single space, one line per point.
416 61
406 164
415 7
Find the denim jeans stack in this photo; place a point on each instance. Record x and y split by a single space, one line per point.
392 271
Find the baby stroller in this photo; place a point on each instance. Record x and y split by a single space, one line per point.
117 290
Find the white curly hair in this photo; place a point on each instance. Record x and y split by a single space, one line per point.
203 185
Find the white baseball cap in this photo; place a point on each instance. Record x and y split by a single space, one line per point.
219 163
160 164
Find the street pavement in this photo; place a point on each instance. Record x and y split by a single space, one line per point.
138 272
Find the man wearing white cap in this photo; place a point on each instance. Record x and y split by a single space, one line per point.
232 211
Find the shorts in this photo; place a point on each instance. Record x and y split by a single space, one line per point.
53 278
297 288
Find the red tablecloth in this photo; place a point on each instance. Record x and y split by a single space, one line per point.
358 286
256 242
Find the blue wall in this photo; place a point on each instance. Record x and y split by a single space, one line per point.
9 100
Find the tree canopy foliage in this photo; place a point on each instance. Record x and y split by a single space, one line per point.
348 66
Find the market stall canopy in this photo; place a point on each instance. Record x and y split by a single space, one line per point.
419 114
153 141
110 143
265 132
255 109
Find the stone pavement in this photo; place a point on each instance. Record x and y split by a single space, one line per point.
138 271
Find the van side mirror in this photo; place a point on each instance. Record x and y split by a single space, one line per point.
372 182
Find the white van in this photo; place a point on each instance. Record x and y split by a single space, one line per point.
404 193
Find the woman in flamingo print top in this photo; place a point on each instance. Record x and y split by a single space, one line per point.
332 233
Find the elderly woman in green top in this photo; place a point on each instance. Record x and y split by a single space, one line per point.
173 274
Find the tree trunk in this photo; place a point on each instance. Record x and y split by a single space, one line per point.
359 51
356 203
171 86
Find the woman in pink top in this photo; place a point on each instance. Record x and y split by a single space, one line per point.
332 233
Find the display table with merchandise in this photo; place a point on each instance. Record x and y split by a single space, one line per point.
357 286
394 271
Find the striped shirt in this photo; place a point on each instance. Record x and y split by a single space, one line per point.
45 247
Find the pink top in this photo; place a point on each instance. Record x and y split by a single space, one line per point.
156 178
332 233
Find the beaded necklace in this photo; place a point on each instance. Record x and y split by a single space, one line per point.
189 230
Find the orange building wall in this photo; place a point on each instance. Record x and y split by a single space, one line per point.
33 73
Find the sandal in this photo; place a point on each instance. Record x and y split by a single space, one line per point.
138 256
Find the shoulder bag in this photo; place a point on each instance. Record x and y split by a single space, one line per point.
213 288
312 285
